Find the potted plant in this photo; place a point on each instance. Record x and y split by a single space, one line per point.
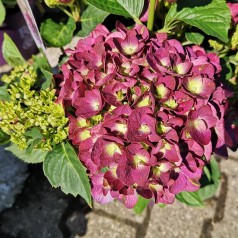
134 114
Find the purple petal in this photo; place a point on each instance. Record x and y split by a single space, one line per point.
90 104
179 184
199 131
99 193
129 200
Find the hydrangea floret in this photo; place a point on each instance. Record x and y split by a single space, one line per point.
234 11
27 108
145 113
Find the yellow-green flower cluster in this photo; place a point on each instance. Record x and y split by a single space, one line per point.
55 3
216 45
219 46
28 108
234 39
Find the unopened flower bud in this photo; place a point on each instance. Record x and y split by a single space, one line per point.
55 3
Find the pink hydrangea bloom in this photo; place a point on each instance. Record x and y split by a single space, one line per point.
145 112
234 11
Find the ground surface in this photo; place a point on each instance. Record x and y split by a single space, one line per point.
42 212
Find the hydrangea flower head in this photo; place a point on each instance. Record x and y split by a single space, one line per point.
145 113
26 109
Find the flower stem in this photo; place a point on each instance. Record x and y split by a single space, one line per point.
66 11
137 20
151 14
75 10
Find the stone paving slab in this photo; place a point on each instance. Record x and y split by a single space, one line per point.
226 226
117 209
101 226
178 220
114 220
233 155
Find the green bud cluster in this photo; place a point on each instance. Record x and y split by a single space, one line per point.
216 45
56 3
234 39
29 109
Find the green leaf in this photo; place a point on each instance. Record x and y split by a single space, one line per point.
2 13
36 138
215 169
210 180
190 198
63 169
105 169
11 53
161 205
213 19
207 173
34 133
57 34
111 6
41 62
4 95
9 3
37 156
227 71
32 143
141 205
43 69
90 18
170 17
4 138
48 79
194 37
207 192
133 7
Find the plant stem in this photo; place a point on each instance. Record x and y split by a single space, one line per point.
137 20
75 10
151 14
66 11
40 7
